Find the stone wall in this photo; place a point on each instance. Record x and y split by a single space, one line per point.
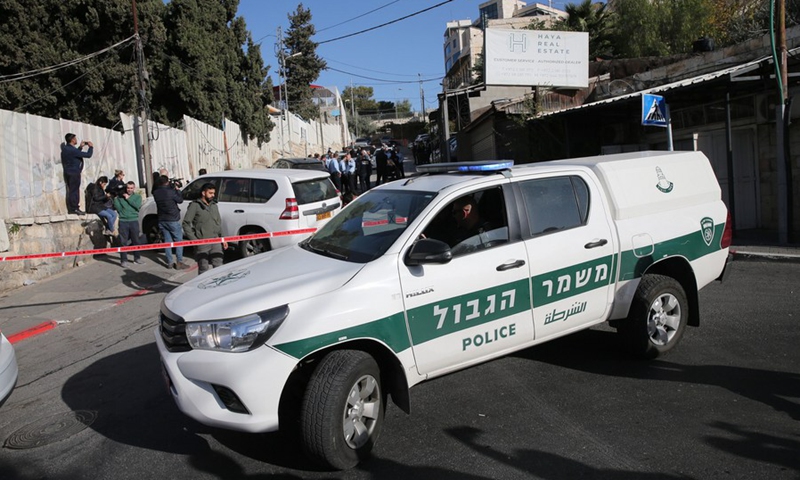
57 233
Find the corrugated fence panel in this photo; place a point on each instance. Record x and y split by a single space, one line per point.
205 145
168 150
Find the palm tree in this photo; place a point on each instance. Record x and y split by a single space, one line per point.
595 19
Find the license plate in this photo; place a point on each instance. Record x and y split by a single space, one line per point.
323 216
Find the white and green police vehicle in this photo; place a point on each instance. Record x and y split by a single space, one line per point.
392 291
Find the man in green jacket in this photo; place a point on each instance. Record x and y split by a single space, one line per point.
202 220
127 206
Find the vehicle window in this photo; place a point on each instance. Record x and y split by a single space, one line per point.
234 190
310 166
312 191
472 222
192 191
555 204
280 164
367 228
263 190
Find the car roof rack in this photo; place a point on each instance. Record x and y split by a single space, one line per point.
486 166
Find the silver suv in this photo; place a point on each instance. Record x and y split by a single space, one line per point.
259 201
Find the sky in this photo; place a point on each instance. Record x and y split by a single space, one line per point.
393 57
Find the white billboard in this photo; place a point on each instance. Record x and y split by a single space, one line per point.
537 57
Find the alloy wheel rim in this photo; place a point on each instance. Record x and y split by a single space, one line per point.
361 411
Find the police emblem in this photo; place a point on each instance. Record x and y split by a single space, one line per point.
707 230
224 279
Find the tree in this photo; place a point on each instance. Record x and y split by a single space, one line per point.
660 27
302 65
209 74
361 96
593 18
39 33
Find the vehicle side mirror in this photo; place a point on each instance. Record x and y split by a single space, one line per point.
428 250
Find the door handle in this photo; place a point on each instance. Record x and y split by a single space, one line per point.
596 243
510 265
238 211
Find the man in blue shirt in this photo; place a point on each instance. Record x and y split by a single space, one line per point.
72 160
348 169
332 165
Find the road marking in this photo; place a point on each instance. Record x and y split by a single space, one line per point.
33 331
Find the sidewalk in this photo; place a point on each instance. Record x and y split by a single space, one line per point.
95 287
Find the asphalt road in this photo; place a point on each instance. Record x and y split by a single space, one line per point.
725 404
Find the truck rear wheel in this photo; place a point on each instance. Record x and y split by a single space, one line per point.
343 409
657 318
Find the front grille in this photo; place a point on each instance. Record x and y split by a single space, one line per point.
173 332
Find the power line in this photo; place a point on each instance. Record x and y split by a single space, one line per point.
386 82
53 68
384 24
376 71
356 18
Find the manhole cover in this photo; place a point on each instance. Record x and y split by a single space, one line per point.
50 429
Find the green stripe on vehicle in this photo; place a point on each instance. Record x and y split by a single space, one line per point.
449 315
434 320
573 280
390 330
691 246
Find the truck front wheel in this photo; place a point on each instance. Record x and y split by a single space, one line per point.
343 409
657 317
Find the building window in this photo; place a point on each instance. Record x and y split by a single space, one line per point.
489 12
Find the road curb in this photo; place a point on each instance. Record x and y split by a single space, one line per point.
747 255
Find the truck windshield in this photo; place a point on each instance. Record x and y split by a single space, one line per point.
367 228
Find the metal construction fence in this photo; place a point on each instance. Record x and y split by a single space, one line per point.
31 175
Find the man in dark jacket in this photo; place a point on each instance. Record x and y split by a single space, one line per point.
72 160
381 161
167 198
202 220
100 203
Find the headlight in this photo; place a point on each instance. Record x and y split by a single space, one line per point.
236 335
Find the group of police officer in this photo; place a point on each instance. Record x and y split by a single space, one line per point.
356 167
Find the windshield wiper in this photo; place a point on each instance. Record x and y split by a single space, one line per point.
325 251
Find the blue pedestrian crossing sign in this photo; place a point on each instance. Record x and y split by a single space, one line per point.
654 111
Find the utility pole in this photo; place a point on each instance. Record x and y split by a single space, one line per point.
446 119
781 128
279 52
143 143
422 99
353 107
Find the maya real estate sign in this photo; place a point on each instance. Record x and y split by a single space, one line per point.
537 57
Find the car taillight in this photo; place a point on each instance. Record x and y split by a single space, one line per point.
727 233
291 212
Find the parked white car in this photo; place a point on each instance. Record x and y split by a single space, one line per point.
8 368
260 201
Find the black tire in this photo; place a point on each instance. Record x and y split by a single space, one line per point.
248 248
150 229
657 318
329 422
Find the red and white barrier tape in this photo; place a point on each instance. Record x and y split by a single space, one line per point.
157 246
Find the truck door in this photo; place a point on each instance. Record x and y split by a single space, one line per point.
477 305
570 250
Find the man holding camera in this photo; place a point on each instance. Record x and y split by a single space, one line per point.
128 204
72 159
167 197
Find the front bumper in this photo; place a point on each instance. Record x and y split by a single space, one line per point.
257 378
8 369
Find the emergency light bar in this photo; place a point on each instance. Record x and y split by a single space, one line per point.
485 166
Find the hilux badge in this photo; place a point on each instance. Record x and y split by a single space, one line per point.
707 229
223 279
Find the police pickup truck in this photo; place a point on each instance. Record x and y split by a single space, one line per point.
434 273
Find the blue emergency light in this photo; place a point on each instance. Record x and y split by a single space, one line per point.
485 166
